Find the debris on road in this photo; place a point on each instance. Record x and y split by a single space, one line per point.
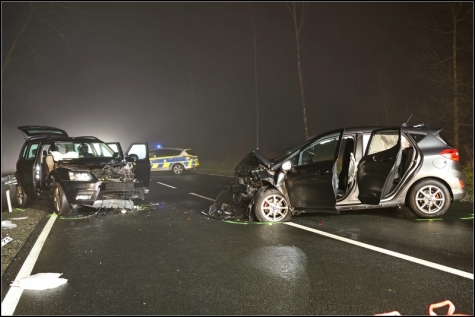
5 240
40 281
430 310
7 224
20 218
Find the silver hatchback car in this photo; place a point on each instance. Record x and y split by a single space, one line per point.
348 169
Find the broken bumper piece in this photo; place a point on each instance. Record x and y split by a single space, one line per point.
226 212
114 204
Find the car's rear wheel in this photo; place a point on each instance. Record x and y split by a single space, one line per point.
429 199
178 169
61 205
272 207
22 198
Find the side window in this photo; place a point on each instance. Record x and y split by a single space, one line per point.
322 150
383 140
417 137
32 151
23 152
153 154
140 150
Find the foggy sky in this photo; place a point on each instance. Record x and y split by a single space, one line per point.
127 74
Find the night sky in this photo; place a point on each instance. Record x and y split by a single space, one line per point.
130 72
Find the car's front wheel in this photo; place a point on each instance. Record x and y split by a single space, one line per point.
178 169
61 205
22 198
429 199
272 207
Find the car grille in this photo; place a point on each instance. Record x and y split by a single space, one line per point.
121 191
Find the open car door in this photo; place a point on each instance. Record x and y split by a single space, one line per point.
142 167
312 184
378 166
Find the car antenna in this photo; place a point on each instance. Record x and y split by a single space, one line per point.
405 124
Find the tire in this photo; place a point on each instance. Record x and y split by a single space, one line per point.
429 199
61 205
272 207
178 169
22 199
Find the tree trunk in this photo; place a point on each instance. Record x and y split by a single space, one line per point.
455 83
12 47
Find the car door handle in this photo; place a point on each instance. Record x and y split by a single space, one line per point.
386 159
322 172
383 159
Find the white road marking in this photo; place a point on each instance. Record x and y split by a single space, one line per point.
14 293
202 196
391 253
166 185
213 174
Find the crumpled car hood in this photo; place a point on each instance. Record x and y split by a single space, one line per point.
104 169
87 163
253 160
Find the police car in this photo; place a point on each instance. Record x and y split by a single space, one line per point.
177 160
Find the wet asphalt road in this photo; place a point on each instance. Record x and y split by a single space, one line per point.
172 260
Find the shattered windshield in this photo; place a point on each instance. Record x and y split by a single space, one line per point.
68 149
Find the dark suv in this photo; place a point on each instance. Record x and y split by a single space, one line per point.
80 171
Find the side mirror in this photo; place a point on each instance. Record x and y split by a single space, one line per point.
287 166
116 155
132 158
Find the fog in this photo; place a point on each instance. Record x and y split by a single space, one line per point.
182 74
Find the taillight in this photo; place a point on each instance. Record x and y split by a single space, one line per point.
451 154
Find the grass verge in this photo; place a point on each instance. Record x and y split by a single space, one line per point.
217 167
468 170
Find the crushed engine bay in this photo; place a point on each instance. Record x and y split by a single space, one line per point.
121 172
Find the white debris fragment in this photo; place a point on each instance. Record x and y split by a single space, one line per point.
20 218
6 240
8 224
40 281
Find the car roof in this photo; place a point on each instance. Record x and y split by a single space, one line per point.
409 129
52 138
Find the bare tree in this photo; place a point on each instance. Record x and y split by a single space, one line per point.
445 61
41 22
298 14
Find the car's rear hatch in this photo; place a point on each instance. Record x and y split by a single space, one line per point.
36 130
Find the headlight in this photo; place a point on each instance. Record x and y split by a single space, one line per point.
80 176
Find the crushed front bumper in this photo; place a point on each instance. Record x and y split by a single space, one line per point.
225 208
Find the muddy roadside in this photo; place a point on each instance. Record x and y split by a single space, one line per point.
23 223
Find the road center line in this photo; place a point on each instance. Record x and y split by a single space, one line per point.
166 185
201 196
14 293
391 253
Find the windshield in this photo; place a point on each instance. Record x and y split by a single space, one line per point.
281 157
69 149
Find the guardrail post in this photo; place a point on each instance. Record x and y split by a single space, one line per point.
8 200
